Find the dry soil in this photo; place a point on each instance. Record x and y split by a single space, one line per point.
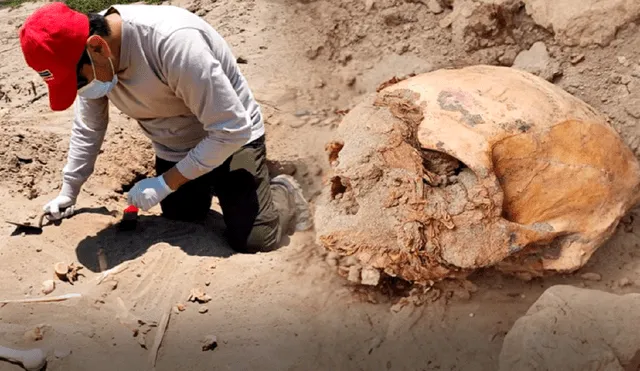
306 61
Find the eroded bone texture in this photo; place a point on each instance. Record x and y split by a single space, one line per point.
453 170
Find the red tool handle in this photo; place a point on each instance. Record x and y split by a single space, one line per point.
131 209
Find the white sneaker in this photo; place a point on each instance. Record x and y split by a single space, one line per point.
302 215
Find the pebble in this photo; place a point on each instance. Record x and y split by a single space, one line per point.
62 353
354 274
368 5
207 283
471 315
209 343
577 59
623 282
301 113
203 309
591 276
434 6
623 61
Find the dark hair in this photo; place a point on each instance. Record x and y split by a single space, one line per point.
97 26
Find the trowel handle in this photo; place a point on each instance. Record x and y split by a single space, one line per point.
42 216
131 210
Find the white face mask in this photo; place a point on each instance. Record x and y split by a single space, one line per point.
96 88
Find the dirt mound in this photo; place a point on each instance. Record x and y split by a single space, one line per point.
448 171
580 22
569 328
27 158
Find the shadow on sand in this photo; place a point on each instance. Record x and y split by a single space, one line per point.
113 246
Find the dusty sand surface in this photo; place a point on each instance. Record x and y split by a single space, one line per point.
288 309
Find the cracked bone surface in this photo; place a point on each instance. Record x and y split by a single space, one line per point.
31 359
453 170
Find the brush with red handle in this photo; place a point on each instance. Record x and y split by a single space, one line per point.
129 219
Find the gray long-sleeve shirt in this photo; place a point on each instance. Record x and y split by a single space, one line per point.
179 79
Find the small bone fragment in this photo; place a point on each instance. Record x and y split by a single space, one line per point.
164 322
68 273
113 271
42 300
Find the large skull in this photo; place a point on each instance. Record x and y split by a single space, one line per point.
453 170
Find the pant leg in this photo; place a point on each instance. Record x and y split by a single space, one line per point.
252 210
191 202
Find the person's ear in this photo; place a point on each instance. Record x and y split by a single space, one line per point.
98 46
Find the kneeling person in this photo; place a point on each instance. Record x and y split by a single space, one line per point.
172 72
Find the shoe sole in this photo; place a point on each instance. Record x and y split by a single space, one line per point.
302 215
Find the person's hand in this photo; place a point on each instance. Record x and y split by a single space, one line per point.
54 207
147 193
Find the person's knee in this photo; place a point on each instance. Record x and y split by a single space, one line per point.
262 238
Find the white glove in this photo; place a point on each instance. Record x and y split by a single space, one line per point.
147 193
52 209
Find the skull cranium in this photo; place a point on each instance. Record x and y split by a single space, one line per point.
445 172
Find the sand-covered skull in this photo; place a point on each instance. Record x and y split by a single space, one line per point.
448 171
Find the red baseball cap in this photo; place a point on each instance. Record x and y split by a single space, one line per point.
53 39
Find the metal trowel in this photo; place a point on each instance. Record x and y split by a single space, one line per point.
27 227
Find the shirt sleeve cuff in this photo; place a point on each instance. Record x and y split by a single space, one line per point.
190 169
70 190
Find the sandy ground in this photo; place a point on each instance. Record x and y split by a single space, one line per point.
287 309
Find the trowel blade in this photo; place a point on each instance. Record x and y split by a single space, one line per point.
25 228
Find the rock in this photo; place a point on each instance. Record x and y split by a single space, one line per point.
591 276
302 113
624 282
210 342
577 59
199 296
203 309
368 5
61 352
583 22
538 62
354 274
480 24
508 57
570 328
623 61
434 6
632 104
370 276
48 286
35 334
